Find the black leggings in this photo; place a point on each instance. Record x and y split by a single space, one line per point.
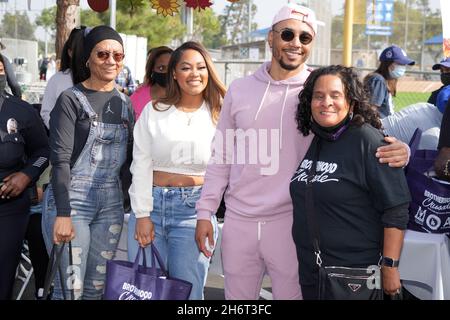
38 252
14 215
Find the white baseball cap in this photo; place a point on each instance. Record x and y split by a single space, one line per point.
297 12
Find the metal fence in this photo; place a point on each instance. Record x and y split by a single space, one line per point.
230 70
34 92
415 87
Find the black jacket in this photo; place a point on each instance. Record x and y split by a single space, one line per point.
24 143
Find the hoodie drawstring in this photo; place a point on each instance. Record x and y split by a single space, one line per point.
259 229
281 119
282 109
262 100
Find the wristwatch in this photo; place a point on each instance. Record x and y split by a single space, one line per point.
446 168
389 262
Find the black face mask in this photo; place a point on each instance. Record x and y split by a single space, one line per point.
445 79
331 133
2 83
160 78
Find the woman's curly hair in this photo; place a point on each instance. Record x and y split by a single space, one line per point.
354 92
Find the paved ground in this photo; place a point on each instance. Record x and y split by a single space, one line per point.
213 289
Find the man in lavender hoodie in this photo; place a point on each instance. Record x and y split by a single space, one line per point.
256 150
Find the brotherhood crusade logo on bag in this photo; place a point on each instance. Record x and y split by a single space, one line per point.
132 292
433 213
429 210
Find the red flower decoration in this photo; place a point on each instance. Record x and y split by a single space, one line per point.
200 4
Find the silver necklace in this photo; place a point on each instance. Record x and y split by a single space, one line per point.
189 116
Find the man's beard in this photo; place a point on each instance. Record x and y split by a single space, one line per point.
288 67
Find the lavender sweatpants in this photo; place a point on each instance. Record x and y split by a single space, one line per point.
251 249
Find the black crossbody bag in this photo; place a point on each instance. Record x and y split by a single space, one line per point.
339 282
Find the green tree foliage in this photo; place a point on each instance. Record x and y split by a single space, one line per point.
137 17
235 21
17 25
157 29
207 24
131 6
46 20
91 18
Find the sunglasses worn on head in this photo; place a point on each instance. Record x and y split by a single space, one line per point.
288 35
104 55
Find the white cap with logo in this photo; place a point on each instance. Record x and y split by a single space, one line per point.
297 12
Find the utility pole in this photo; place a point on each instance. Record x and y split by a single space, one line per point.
249 20
190 23
187 18
46 34
348 32
405 47
112 17
422 51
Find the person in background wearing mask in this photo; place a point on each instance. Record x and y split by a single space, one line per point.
440 97
155 79
382 84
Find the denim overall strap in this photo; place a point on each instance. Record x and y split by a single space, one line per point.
125 118
105 149
84 103
125 115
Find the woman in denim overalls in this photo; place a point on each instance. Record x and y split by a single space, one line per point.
172 148
90 130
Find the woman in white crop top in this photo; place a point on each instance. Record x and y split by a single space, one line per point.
172 146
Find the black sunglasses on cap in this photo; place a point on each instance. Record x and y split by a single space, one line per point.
288 35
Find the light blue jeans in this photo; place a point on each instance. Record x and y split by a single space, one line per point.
97 219
174 218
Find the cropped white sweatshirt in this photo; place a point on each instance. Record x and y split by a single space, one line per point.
171 141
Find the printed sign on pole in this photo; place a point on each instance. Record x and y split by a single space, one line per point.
380 14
